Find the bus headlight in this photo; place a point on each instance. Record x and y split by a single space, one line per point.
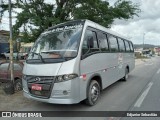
65 77
60 78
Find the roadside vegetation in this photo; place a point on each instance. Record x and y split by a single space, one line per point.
34 16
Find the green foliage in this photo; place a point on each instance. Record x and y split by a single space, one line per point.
37 15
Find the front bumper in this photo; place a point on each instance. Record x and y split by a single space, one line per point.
53 100
67 92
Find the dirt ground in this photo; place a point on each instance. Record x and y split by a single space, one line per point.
13 102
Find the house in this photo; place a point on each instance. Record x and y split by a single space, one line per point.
140 52
157 50
25 47
4 41
4 36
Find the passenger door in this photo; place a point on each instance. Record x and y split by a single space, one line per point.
90 63
90 50
127 55
121 60
113 59
105 59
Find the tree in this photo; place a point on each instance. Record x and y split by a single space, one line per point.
37 15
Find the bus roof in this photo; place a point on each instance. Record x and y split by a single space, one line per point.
100 27
86 21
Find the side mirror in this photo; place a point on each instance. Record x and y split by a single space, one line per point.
90 42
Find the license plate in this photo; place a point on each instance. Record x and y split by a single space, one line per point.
36 87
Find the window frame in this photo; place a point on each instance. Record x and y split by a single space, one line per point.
110 43
128 45
120 39
131 44
90 53
6 67
97 31
106 38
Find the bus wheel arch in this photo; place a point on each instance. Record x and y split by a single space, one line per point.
127 67
126 73
17 84
93 90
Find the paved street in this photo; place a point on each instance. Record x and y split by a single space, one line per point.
140 92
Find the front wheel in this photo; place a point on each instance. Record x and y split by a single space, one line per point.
93 93
18 85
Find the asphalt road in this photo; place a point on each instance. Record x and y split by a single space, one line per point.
149 99
140 92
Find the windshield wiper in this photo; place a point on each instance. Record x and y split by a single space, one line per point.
39 56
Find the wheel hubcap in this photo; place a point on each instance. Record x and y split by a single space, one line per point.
94 92
18 86
126 76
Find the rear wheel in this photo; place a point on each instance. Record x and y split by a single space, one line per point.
126 74
93 93
18 85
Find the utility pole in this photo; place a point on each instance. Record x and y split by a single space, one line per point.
0 11
11 44
143 40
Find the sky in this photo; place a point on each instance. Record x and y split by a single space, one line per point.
145 27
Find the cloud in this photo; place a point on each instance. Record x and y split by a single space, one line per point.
148 22
150 9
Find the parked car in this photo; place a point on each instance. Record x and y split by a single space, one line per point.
16 55
5 75
2 57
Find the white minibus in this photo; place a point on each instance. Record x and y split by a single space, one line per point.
75 61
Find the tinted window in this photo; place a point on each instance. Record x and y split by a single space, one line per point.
90 42
131 46
113 43
121 45
17 67
4 66
127 46
103 43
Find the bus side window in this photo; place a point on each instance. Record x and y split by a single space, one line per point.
131 46
127 46
113 43
121 45
103 43
90 42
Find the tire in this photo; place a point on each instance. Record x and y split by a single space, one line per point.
126 74
18 85
93 93
8 88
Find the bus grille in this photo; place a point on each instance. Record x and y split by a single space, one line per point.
44 82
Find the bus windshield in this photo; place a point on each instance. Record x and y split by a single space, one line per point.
56 45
